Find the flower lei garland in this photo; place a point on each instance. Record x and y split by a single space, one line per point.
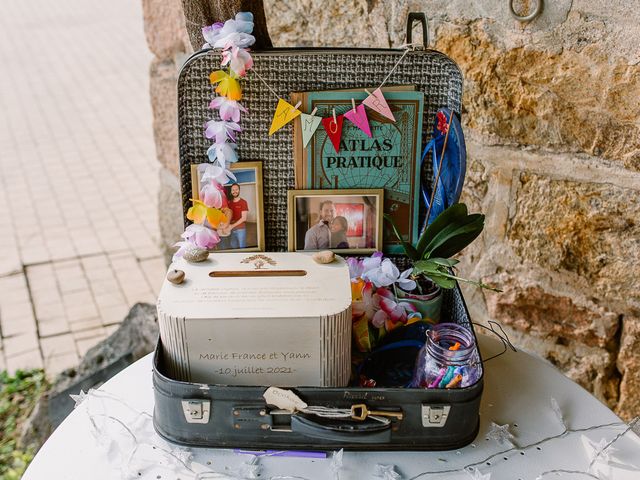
211 212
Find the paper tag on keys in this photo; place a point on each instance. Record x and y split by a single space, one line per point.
283 399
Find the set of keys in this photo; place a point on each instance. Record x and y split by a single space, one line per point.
361 412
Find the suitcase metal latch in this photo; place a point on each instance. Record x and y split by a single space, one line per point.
196 411
433 416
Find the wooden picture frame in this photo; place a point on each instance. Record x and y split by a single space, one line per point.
248 174
309 211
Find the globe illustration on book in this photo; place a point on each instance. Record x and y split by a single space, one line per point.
363 162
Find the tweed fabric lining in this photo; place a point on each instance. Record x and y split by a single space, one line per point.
294 70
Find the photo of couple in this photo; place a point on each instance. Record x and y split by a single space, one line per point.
346 220
329 232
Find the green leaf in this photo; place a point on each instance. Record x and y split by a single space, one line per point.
448 216
456 237
409 249
426 267
447 262
442 281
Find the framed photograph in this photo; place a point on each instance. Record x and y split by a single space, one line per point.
245 229
346 221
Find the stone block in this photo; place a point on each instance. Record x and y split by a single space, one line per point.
590 230
164 27
163 77
527 94
629 366
528 307
358 23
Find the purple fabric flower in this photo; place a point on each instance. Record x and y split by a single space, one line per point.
211 33
220 131
228 109
356 267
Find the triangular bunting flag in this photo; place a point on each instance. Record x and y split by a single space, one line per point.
310 124
334 130
285 112
376 101
359 118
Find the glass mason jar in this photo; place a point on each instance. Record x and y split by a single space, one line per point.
448 359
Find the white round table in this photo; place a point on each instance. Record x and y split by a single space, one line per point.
109 436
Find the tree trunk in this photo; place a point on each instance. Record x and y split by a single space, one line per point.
199 13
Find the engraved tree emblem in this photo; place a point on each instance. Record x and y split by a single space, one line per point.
259 261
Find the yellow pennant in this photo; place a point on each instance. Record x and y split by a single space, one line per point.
285 112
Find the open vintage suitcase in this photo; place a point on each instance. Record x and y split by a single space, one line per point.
237 416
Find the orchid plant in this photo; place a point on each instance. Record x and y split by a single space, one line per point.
233 38
450 232
381 294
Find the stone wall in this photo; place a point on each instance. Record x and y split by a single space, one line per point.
552 118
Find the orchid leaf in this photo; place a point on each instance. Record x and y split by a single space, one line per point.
455 212
453 240
447 262
442 281
409 249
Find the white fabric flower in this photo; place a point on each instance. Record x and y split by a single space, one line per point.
214 172
384 275
232 33
405 282
223 153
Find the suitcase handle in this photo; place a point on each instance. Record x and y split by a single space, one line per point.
360 434
417 17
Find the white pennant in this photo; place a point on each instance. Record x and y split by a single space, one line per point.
310 124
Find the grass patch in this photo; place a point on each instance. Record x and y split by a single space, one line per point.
19 393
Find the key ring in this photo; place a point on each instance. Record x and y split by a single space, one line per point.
526 18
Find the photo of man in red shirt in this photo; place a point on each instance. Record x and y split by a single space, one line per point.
240 211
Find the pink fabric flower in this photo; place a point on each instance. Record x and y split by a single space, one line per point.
212 195
369 304
201 236
391 312
238 59
228 109
220 131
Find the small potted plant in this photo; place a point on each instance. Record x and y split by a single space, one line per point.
385 298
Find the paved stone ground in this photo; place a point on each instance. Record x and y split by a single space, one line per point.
78 177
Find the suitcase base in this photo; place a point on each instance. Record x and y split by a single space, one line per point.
220 416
